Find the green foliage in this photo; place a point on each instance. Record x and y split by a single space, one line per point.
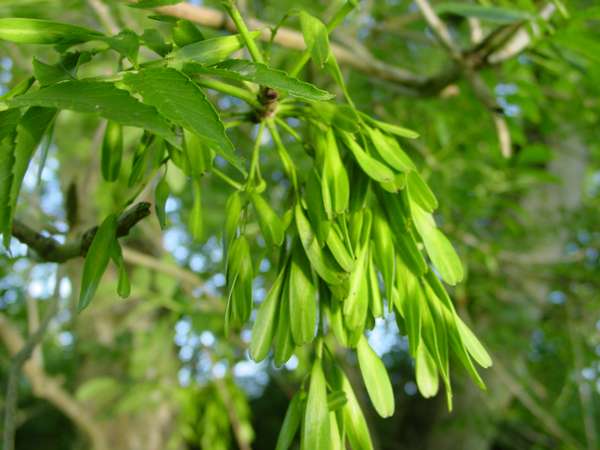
97 259
339 218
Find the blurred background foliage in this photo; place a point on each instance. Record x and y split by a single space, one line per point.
155 371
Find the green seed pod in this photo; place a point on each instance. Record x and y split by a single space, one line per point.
376 379
266 320
112 151
303 298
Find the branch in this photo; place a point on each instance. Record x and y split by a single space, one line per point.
482 91
189 279
480 56
49 249
439 29
45 386
521 40
293 39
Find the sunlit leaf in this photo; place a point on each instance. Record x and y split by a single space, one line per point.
97 259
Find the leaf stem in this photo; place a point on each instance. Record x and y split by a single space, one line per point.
229 89
331 25
254 163
237 18
230 181
283 124
284 156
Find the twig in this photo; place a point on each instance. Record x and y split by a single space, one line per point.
482 92
49 249
521 40
12 392
503 135
439 29
188 278
408 81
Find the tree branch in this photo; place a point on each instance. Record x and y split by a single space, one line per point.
478 57
49 249
439 29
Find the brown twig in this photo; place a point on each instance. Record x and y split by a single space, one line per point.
49 249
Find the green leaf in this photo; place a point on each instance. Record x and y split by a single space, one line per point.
291 423
147 158
209 51
313 198
161 194
123 285
354 420
420 192
49 74
426 372
239 282
8 132
375 300
335 186
266 320
112 151
357 302
126 43
438 246
316 38
339 250
199 157
243 70
180 100
461 353
383 251
98 97
316 429
303 298
284 343
314 204
376 378
337 438
408 301
490 13
270 224
37 31
152 39
372 167
390 128
472 344
320 259
18 89
390 151
97 259
336 400
18 146
233 210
